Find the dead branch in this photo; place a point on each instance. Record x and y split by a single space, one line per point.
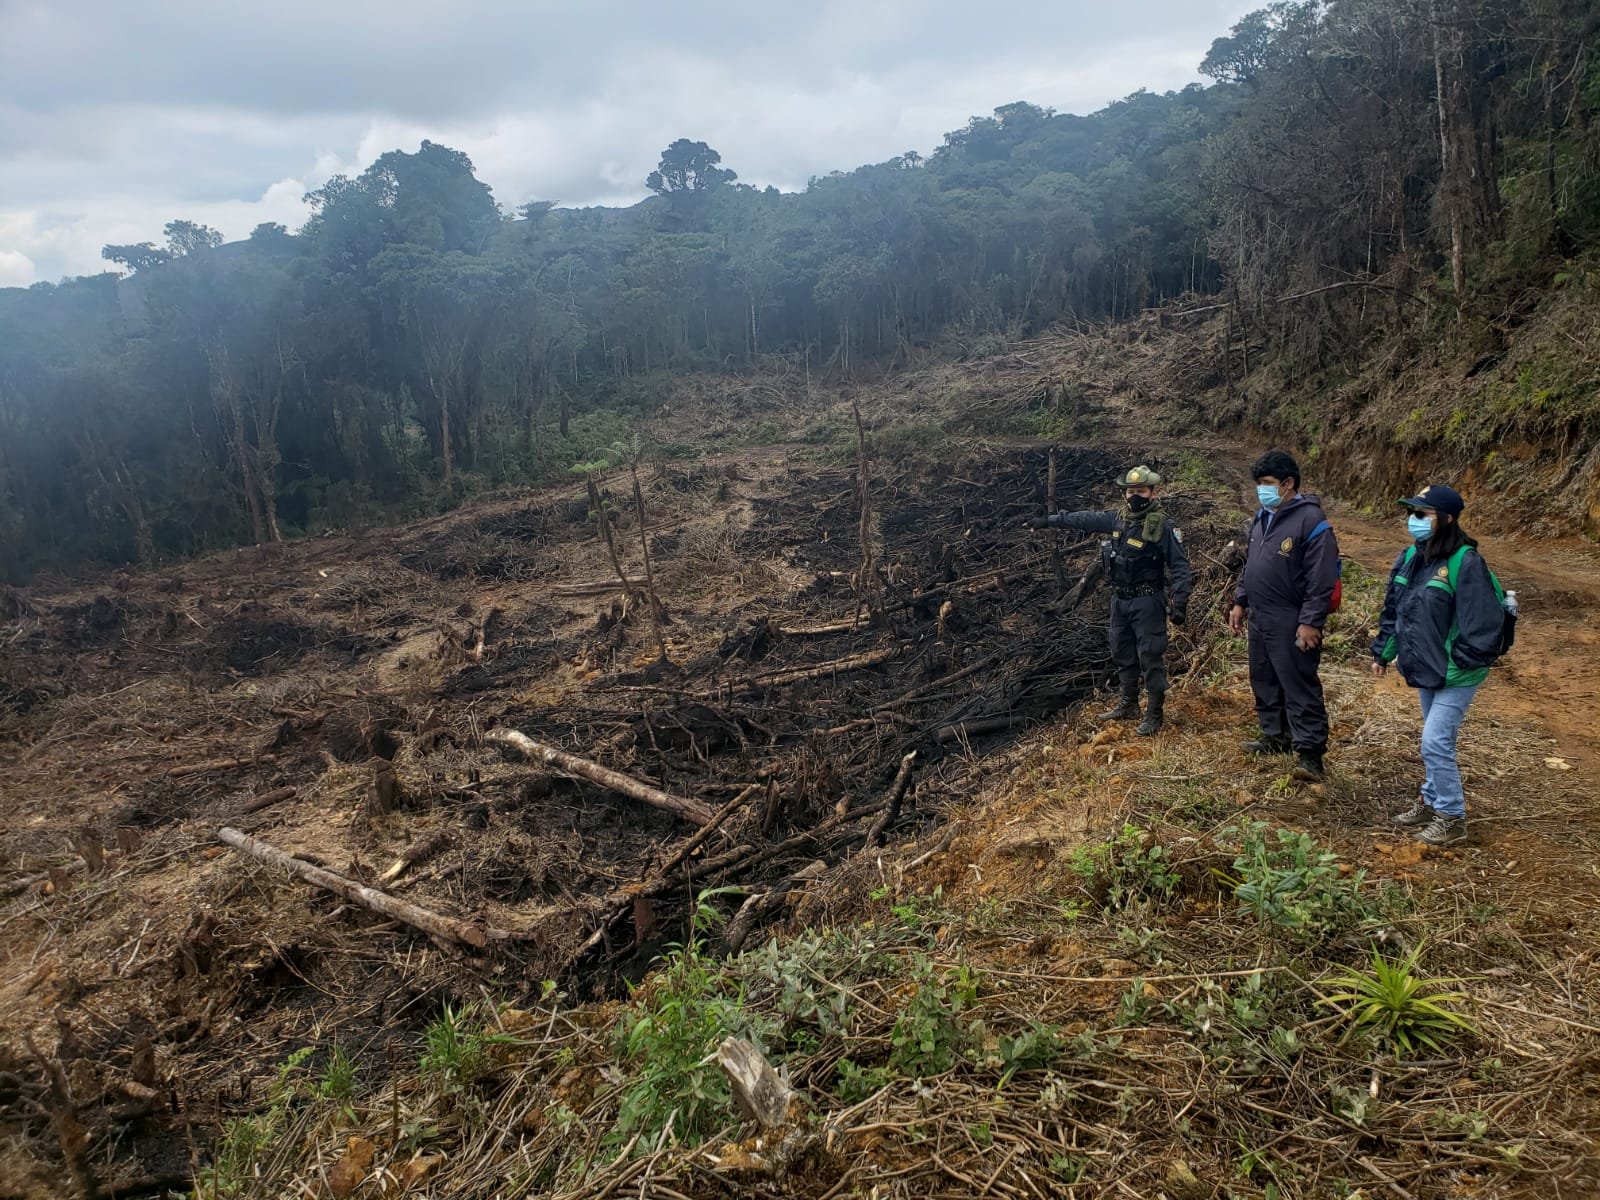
217 764
706 830
897 793
434 924
1057 569
866 580
267 800
598 587
838 666
582 768
416 855
70 1133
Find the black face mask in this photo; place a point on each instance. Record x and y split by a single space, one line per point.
1138 503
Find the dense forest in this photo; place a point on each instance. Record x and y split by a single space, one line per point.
1354 166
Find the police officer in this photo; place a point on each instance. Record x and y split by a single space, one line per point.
1284 597
1150 579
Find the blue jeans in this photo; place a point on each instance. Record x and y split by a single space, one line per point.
1443 710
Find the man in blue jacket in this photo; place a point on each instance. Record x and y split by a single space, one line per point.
1284 596
1150 581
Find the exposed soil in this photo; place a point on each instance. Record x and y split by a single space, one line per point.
332 698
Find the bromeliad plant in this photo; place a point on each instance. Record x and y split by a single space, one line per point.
1401 1007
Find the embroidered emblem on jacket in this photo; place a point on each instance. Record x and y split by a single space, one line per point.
1285 546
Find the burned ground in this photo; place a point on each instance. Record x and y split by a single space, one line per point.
146 717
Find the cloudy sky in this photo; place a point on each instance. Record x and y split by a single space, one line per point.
116 117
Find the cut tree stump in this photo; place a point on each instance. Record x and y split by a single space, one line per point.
582 768
434 924
759 1092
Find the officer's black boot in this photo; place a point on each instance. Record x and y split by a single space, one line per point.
1155 715
1127 708
1268 745
1308 767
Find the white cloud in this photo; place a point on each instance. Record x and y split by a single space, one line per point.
551 101
16 269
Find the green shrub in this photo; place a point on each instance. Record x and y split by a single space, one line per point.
929 1034
1290 882
1131 866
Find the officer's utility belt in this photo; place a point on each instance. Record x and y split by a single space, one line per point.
1134 593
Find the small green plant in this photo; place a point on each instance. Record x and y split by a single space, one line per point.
1401 1008
235 1163
929 1034
337 1084
856 1082
1091 1046
672 1032
456 1048
1068 1168
1036 1047
1130 867
1134 1005
1291 882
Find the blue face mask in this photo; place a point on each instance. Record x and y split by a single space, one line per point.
1420 528
1269 495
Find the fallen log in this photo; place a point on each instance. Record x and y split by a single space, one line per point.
582 768
27 881
434 924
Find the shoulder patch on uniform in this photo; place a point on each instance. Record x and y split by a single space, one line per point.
1443 572
1177 533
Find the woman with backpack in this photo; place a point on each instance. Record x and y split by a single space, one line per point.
1445 621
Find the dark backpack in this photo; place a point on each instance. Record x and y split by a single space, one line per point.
1447 583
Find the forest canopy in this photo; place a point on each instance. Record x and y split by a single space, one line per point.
413 341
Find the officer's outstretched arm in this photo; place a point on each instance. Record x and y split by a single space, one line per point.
1085 522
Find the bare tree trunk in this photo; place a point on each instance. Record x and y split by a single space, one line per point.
867 574
1056 566
1449 170
657 610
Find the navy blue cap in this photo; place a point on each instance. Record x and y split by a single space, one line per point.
1439 497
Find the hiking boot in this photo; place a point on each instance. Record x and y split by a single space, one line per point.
1308 767
1127 709
1420 813
1154 717
1268 745
1444 831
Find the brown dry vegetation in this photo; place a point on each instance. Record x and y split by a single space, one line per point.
1041 984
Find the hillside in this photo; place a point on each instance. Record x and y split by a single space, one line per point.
1062 962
